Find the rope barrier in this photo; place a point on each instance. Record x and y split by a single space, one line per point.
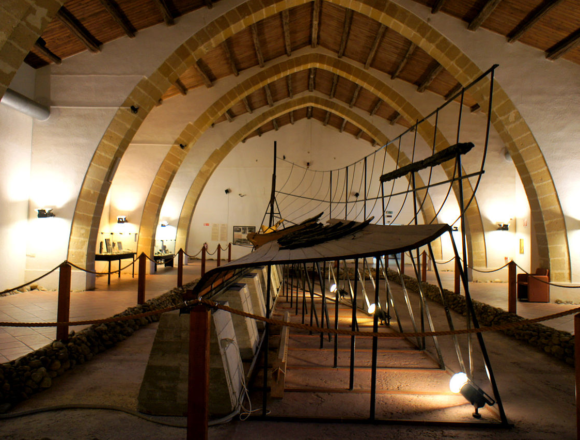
30 282
489 271
193 256
545 282
211 253
314 329
444 262
100 273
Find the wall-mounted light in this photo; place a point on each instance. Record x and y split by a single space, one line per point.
455 229
356 194
227 191
45 212
503 226
122 219
134 109
460 383
164 224
182 146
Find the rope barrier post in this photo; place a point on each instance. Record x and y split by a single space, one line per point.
63 311
424 267
203 257
180 268
141 281
577 364
512 287
229 252
457 287
219 255
198 380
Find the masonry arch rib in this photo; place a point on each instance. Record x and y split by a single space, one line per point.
193 131
528 158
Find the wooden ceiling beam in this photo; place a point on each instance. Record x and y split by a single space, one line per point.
483 14
404 61
375 46
203 75
456 88
430 77
168 17
229 116
311 80
257 47
247 104
437 6
120 17
40 45
309 112
269 95
359 134
275 124
180 86
315 21
531 19
289 83
286 26
562 47
326 119
230 58
395 118
333 88
78 30
292 117
376 107
354 96
343 125
345 32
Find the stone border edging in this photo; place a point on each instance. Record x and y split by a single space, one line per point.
34 372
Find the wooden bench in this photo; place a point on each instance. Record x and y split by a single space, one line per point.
279 366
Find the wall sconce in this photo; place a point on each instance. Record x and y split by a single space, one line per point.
227 191
122 219
182 146
134 109
45 213
455 229
356 194
164 224
503 226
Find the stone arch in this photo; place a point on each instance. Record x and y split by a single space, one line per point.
193 131
219 155
528 158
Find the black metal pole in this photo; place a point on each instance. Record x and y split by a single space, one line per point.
273 192
330 212
336 315
346 196
383 200
353 324
365 192
375 346
323 289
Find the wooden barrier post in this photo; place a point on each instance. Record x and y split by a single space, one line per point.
424 267
577 366
203 257
512 286
403 263
198 384
229 252
180 268
219 255
63 311
141 281
457 278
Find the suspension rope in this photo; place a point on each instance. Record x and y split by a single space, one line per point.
30 282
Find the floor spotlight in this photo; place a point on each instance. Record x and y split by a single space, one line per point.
333 288
460 383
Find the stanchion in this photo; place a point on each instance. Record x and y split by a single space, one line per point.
424 267
180 268
63 311
403 263
229 252
203 257
457 286
141 281
219 255
512 286
198 382
577 363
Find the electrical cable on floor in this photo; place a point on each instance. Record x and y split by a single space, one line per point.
131 412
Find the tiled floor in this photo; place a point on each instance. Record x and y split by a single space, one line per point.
106 300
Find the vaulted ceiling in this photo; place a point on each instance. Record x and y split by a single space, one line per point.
549 25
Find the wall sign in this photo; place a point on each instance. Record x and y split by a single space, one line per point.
241 235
